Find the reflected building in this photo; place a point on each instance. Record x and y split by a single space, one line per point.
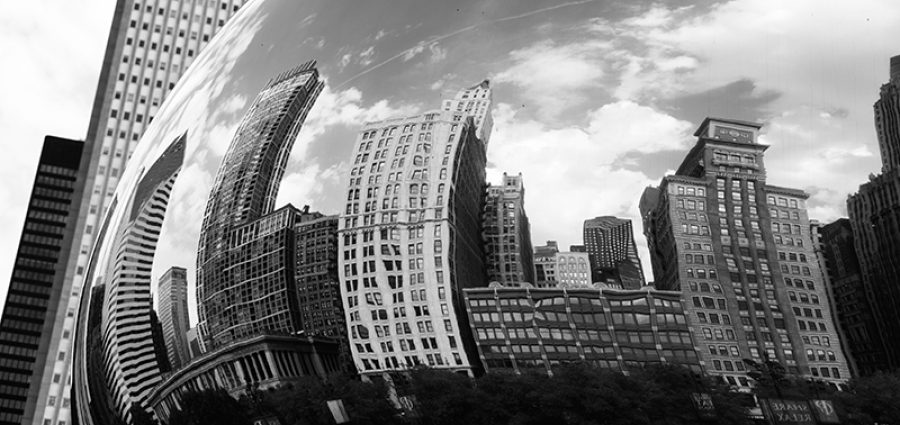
260 363
507 233
475 102
853 313
193 342
524 329
172 306
545 265
245 262
875 220
555 269
740 252
318 285
129 349
410 240
37 288
610 243
149 47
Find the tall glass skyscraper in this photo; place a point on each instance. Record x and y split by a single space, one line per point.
410 238
245 264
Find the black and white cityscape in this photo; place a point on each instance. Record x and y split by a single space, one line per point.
285 212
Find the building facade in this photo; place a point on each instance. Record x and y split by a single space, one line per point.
507 233
316 271
410 239
740 252
131 363
524 329
853 313
150 45
172 308
475 102
875 221
545 265
235 298
555 269
28 335
613 253
262 362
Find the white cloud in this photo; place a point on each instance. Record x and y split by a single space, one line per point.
555 76
345 60
367 56
568 171
345 107
308 185
437 53
415 50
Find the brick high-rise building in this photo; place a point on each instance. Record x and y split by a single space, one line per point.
740 252
245 260
875 220
29 334
172 308
410 240
613 253
150 45
507 233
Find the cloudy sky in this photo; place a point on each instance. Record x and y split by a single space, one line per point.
593 100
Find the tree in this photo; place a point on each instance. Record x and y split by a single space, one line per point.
305 402
871 399
670 400
210 407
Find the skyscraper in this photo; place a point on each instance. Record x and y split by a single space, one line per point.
875 220
130 353
410 240
613 253
843 279
887 119
37 288
740 252
149 47
172 307
507 233
245 261
318 285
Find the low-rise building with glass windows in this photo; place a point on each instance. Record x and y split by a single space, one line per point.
539 328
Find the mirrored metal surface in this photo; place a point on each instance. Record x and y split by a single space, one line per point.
246 132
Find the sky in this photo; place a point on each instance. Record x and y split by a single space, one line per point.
593 100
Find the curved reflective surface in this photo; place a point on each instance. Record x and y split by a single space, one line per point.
269 114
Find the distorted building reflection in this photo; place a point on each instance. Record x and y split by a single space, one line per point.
407 251
245 267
